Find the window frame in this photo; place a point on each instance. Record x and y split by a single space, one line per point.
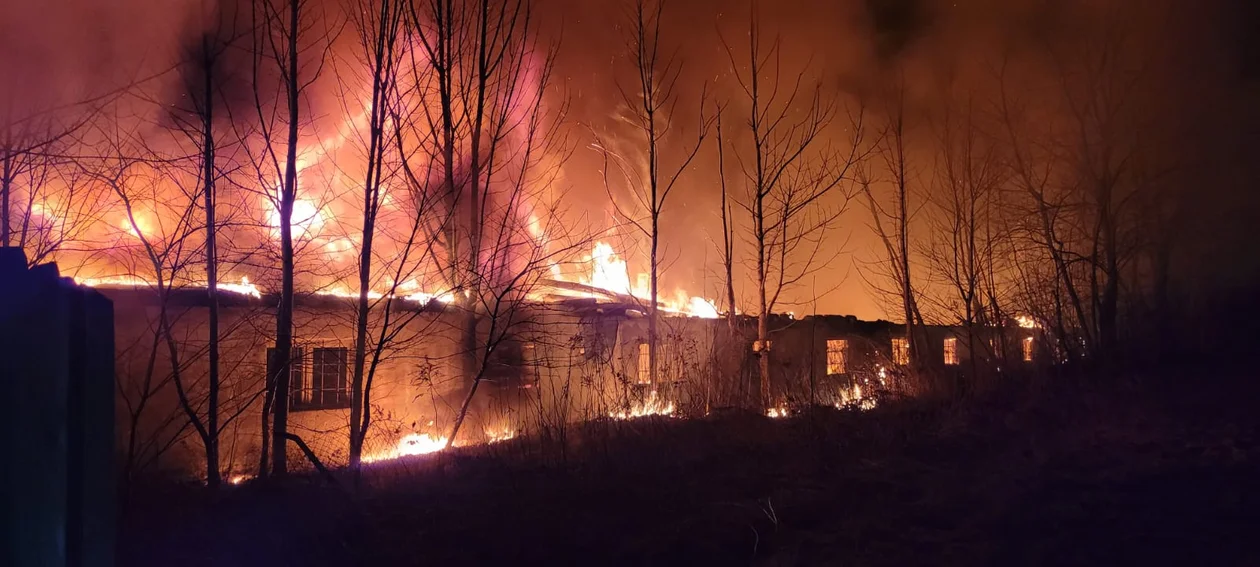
837 365
900 351
949 351
643 370
311 366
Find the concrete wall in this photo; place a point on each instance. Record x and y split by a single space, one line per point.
548 365
410 392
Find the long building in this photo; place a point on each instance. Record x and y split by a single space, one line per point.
543 363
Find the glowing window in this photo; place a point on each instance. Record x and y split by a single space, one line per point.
951 351
645 364
1027 343
836 351
901 351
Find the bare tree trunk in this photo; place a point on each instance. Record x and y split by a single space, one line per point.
759 215
284 313
6 188
649 105
728 236
785 214
763 312
477 55
212 276
380 40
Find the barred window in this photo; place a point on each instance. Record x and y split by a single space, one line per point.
901 351
1027 345
296 367
837 350
324 386
951 351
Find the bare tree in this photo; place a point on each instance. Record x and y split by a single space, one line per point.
159 239
964 252
283 32
891 148
790 173
483 76
728 228
197 122
379 25
649 109
45 202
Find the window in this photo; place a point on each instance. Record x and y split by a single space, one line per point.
529 363
951 351
837 349
529 355
901 351
296 368
1027 343
645 364
324 386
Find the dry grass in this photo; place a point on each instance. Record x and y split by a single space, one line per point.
1034 476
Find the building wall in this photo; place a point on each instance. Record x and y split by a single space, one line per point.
410 391
548 365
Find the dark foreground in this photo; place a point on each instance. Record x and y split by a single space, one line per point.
1063 475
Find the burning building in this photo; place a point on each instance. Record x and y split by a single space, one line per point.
571 353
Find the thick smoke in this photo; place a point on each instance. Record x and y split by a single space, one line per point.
59 51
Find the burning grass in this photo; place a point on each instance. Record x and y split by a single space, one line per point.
652 405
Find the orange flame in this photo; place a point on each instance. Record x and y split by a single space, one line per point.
608 271
653 405
410 444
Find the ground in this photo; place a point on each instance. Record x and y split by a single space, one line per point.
1059 473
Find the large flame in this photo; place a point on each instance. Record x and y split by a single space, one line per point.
606 270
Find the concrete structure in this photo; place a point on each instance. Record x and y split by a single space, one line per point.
56 363
550 362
